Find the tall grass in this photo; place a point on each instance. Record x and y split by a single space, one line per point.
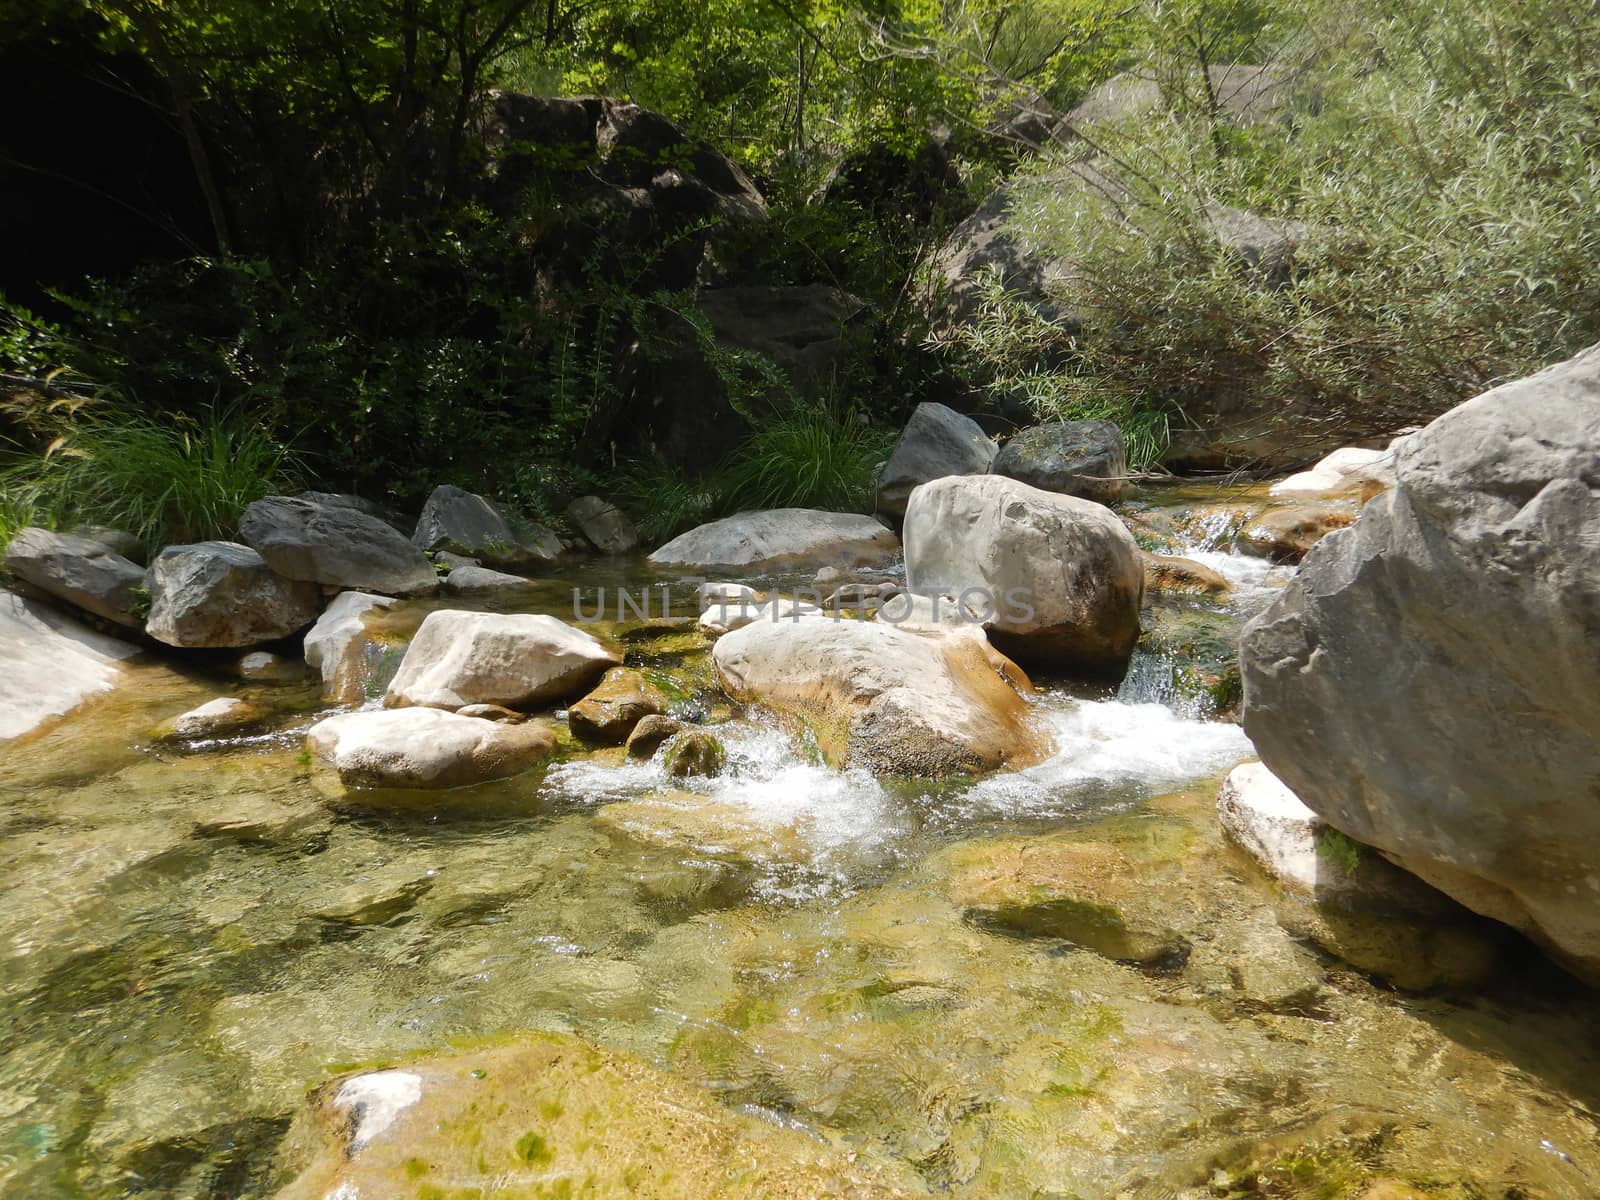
163 479
813 456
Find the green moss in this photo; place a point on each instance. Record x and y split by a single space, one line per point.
415 1168
531 1148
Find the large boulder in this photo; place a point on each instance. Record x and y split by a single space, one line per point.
781 539
462 522
1075 458
82 571
338 647
937 441
518 660
1060 579
605 526
52 664
426 748
1429 683
223 594
519 1119
334 544
887 699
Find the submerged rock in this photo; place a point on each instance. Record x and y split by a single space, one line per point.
80 570
606 526
609 713
937 441
1060 576
426 748
215 718
1074 458
886 699
335 545
52 664
1428 683
1083 892
338 645
481 579
262 666
781 539
223 594
518 660
537 1114
464 523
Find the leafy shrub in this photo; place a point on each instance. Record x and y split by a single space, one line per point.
165 479
1442 194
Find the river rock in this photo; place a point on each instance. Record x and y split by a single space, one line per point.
1348 469
465 523
606 526
693 752
609 713
518 660
649 733
463 580
525 1113
1428 684
1061 576
1285 535
79 570
937 441
781 539
53 663
883 698
1166 573
223 594
119 541
425 748
338 645
723 618
1075 458
334 545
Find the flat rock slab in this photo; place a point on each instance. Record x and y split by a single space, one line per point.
781 539
52 664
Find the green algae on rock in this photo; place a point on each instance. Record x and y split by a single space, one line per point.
545 1116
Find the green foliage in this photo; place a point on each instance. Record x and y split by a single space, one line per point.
813 456
665 501
1339 851
1440 195
164 479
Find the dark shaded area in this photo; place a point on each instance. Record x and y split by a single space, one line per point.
94 178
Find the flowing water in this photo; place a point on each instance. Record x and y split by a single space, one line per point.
190 939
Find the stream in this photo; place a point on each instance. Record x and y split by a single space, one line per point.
193 937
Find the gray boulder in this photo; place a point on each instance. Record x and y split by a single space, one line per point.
604 524
465 523
223 594
781 539
336 545
79 570
1429 684
1075 458
119 541
1059 580
937 441
463 580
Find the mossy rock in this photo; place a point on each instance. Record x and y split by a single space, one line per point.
1201 644
546 1116
693 752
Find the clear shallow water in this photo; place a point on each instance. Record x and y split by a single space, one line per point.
190 941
